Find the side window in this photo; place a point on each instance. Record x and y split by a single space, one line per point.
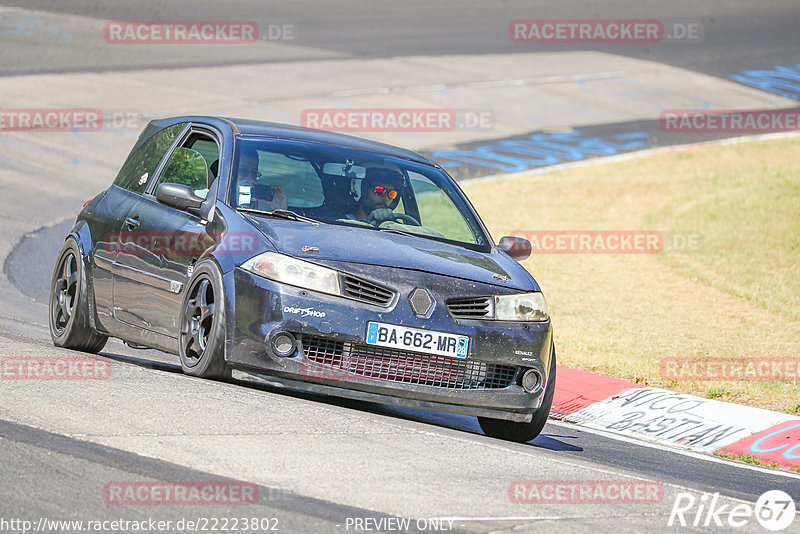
298 178
437 211
186 166
191 164
209 150
142 163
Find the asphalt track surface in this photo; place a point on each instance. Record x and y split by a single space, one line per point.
737 34
53 470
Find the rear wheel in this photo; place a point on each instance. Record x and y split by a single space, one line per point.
524 432
69 303
202 333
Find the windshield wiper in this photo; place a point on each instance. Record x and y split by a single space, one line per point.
280 214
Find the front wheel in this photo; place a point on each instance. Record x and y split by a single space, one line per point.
69 303
202 325
524 432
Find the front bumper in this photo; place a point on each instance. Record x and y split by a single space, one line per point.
332 355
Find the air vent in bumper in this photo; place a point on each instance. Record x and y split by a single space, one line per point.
470 308
393 365
365 291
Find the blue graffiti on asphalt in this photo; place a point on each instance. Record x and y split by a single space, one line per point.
28 26
781 80
515 155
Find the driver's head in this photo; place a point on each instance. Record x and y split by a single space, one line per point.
380 188
248 166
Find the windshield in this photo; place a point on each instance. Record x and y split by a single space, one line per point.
345 186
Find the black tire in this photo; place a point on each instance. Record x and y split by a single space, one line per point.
201 344
69 303
524 432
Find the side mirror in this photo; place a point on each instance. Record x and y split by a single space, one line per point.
178 196
518 248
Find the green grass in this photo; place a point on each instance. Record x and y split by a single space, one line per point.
717 393
622 315
750 222
750 459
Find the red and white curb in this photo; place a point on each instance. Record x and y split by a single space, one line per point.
668 418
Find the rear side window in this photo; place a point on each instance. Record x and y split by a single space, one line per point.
142 163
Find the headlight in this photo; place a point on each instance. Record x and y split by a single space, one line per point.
294 272
521 307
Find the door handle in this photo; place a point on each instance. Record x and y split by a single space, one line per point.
132 222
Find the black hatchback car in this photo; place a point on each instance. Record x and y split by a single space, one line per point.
319 261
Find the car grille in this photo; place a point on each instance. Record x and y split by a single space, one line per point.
402 366
367 291
470 308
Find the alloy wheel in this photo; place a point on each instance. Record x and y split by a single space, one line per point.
65 292
198 319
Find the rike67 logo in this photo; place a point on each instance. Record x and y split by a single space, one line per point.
774 510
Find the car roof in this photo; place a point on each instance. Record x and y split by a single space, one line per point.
286 131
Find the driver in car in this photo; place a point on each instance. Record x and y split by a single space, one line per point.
253 194
380 189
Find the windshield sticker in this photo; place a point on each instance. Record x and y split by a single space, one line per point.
244 194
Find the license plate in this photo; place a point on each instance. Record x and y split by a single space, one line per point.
417 339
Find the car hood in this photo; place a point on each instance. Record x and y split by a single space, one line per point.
365 246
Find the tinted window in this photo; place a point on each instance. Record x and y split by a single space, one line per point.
142 163
341 185
437 210
293 173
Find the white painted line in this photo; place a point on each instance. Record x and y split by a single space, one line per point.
589 465
470 438
363 91
692 454
517 82
508 518
428 87
490 84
